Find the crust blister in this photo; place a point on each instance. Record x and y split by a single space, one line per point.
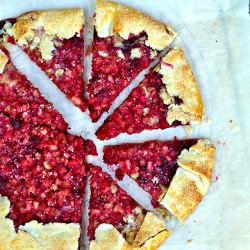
179 81
34 235
112 18
191 180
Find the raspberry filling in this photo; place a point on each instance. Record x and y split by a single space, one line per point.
65 68
42 172
111 205
116 62
23 103
143 109
151 164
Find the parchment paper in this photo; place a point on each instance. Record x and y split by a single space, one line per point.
215 36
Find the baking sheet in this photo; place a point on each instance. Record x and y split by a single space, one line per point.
215 36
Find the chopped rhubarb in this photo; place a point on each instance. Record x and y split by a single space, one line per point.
42 167
109 204
116 62
143 109
151 164
43 172
65 64
65 68
22 102
167 64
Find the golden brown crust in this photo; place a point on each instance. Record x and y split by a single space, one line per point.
156 241
191 180
34 235
150 236
199 159
179 82
112 18
183 194
107 237
63 23
3 61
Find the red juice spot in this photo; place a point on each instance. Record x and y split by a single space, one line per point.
155 203
119 174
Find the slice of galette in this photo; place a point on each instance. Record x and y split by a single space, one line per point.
42 176
175 173
167 97
42 168
125 42
53 39
116 221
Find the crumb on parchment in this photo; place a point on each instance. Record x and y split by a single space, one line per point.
189 129
234 126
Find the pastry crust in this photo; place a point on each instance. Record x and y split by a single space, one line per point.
63 24
3 61
199 159
34 235
155 242
107 237
112 18
150 236
179 82
191 180
152 232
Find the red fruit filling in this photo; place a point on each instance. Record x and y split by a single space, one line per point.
143 109
65 68
111 205
151 164
116 62
42 172
23 103
119 174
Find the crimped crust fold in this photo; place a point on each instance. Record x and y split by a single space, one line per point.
70 20
191 180
199 159
179 82
37 29
112 18
150 236
152 233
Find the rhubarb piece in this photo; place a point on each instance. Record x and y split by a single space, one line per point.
53 39
116 220
125 42
167 97
153 165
